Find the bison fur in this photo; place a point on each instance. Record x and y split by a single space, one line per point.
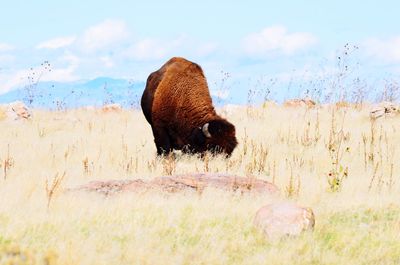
177 104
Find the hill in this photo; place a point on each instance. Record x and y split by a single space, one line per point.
95 92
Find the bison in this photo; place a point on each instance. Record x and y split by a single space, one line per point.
177 104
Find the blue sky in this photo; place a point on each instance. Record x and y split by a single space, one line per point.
251 40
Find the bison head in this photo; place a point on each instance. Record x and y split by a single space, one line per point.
217 136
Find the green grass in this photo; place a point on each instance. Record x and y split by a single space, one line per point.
197 231
354 225
357 236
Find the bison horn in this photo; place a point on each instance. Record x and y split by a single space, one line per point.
205 130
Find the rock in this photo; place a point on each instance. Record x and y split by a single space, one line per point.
227 182
384 109
111 187
179 183
284 219
17 111
343 105
299 103
111 108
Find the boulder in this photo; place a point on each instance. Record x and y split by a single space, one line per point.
111 187
227 182
387 109
343 105
309 103
179 183
111 108
16 110
284 219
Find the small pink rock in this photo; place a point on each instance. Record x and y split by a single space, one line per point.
111 108
18 111
282 219
386 109
309 103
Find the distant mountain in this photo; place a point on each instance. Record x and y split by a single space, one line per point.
96 92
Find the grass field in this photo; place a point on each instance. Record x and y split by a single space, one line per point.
336 161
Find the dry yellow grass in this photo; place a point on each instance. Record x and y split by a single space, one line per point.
337 162
3 114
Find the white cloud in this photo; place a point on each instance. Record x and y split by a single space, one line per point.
19 78
277 39
6 59
56 43
161 49
61 74
147 49
70 59
387 50
64 74
107 61
104 35
4 47
95 38
207 49
11 80
154 49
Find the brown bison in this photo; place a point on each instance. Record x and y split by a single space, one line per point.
177 104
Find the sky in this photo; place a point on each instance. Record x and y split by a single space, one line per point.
239 44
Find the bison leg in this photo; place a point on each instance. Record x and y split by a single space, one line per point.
162 141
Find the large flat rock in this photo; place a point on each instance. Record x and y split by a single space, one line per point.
177 183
